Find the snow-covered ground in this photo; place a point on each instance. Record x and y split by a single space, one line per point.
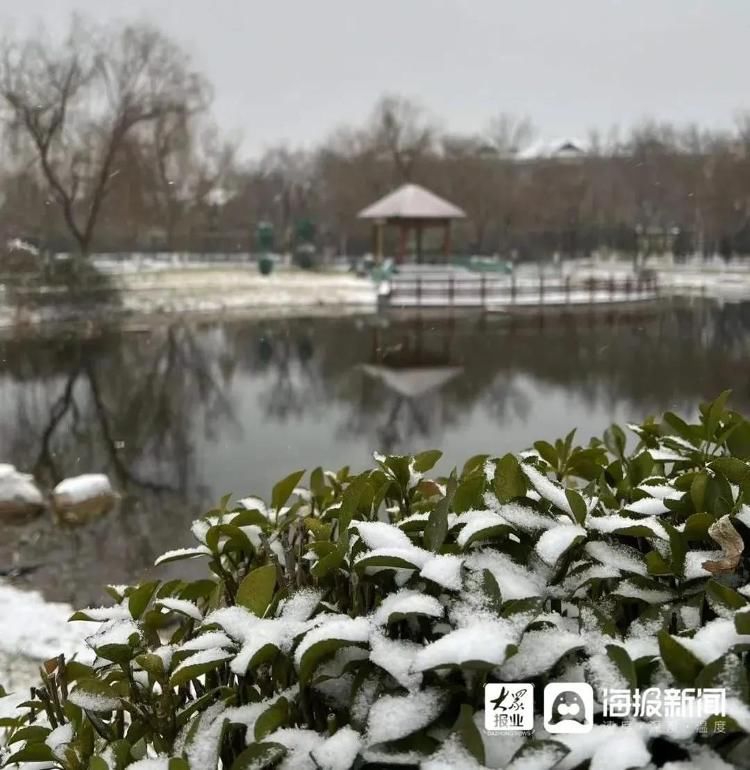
157 285
34 630
215 290
694 277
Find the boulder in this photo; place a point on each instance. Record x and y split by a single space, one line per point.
82 498
20 498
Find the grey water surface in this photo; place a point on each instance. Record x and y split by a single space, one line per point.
183 412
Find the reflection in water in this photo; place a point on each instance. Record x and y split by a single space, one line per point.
180 414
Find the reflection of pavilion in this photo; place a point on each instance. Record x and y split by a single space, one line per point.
412 382
412 369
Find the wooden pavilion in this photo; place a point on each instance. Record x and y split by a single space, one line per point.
411 208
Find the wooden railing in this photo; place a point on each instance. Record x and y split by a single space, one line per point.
488 291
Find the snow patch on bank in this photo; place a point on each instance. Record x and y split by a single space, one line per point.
35 630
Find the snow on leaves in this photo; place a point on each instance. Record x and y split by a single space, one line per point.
356 619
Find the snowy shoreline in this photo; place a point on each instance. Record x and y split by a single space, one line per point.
39 630
217 291
153 294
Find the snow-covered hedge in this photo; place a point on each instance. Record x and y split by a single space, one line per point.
354 621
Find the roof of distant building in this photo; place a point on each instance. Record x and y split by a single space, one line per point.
556 148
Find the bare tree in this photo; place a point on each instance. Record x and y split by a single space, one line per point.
349 175
191 166
401 131
288 179
509 133
75 105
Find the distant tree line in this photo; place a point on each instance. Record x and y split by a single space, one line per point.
108 145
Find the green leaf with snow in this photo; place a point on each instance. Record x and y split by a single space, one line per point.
436 528
349 502
539 755
473 464
116 652
619 656
691 433
94 695
398 465
139 599
715 413
719 497
742 622
384 562
725 595
491 591
425 461
682 664
317 653
272 719
547 452
468 493
640 468
657 565
259 756
31 733
736 471
696 526
32 752
727 672
698 491
180 554
331 561
151 663
577 505
468 732
615 440
283 490
510 481
197 665
255 592
738 441
677 549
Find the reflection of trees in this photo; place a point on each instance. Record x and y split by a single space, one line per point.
390 421
637 361
126 405
296 384
504 398
670 358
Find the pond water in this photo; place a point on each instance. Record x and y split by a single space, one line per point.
178 414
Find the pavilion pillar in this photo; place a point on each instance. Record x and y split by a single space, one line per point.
447 241
379 242
419 242
403 235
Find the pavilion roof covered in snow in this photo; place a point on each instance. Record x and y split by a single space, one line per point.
412 202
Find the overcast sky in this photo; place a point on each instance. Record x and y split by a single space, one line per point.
295 69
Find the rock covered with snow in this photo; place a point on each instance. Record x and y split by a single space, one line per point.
81 498
20 497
